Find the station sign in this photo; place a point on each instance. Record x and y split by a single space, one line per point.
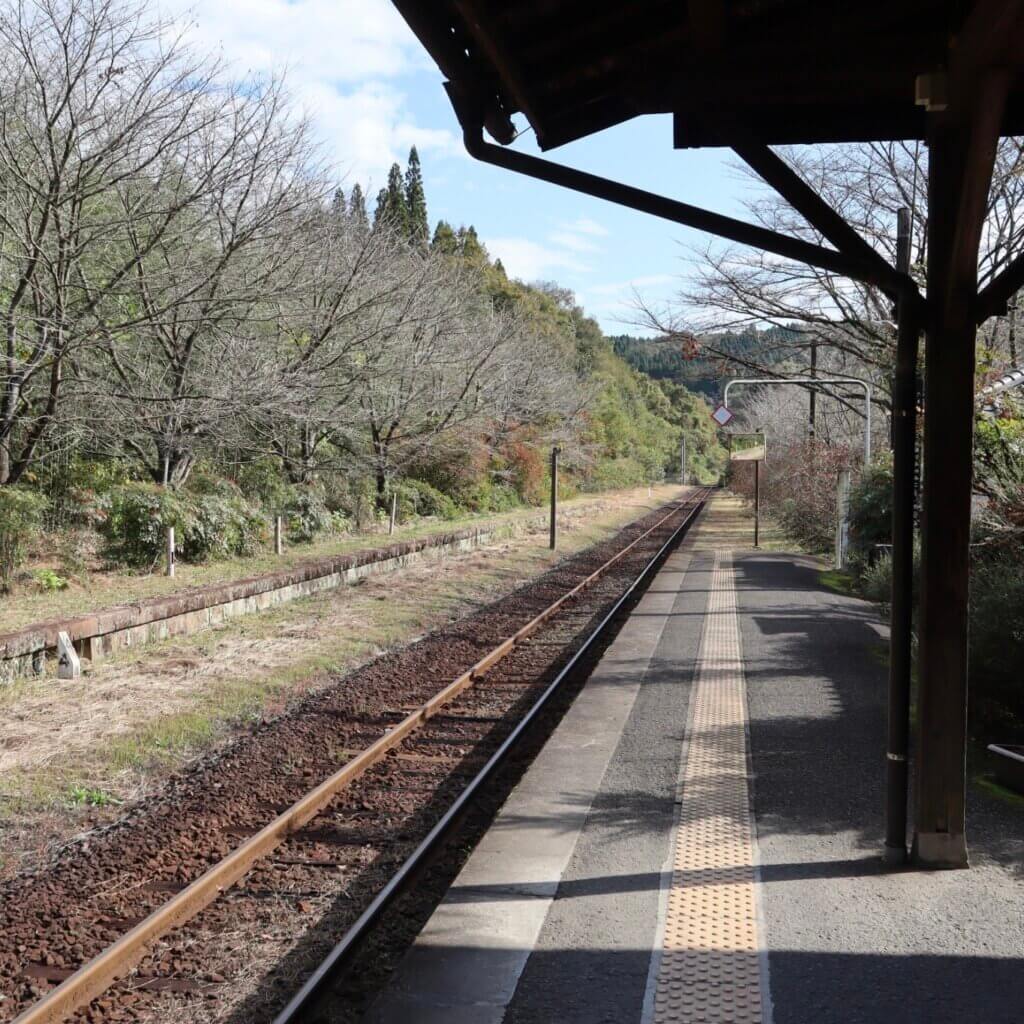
747 447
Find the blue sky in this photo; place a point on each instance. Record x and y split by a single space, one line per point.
372 92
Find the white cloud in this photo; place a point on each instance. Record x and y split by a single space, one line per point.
621 288
341 59
586 226
324 40
574 242
531 260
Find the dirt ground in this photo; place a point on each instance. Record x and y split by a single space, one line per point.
71 753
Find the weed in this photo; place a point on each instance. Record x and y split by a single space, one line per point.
79 795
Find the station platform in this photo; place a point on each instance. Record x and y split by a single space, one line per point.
700 839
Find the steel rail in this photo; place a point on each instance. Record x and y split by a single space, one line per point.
352 938
94 977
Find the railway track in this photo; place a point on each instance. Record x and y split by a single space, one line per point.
156 918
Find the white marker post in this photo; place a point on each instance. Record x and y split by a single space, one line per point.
69 665
842 517
170 550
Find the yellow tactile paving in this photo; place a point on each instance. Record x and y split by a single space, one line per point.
710 968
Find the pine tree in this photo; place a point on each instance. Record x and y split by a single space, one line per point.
470 246
357 208
444 239
380 213
338 203
391 208
416 201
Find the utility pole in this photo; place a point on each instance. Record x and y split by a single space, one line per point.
904 435
554 497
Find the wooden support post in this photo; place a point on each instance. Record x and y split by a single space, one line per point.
962 144
553 539
278 536
394 512
901 603
170 550
757 501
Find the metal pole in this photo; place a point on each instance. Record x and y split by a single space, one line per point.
814 394
554 498
682 460
278 536
901 613
757 501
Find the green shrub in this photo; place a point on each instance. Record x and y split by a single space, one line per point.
137 517
490 496
871 507
220 525
417 498
47 579
620 472
306 516
21 515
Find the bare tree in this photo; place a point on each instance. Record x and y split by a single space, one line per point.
202 357
734 289
103 112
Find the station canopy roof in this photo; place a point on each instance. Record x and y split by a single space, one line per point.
756 71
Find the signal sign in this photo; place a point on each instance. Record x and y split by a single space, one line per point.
722 416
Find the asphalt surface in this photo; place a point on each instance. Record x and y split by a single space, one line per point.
848 941
591 961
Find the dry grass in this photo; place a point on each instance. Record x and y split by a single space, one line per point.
72 752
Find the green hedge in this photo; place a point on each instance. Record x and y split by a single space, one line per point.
215 524
21 515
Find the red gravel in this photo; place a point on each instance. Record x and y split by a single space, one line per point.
243 955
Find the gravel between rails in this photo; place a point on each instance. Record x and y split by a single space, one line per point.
243 955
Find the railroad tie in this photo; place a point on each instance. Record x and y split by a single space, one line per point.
710 969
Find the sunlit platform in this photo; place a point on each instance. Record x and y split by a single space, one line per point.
701 838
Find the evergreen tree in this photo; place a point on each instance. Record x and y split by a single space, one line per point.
391 207
500 268
338 203
470 246
416 201
357 207
444 239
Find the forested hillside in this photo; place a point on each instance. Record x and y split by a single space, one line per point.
700 365
203 330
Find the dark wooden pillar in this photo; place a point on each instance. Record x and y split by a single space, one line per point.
962 141
904 431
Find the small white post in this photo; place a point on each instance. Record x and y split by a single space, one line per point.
394 512
278 536
69 665
842 517
170 550
682 460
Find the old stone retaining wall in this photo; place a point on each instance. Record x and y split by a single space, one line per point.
25 651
